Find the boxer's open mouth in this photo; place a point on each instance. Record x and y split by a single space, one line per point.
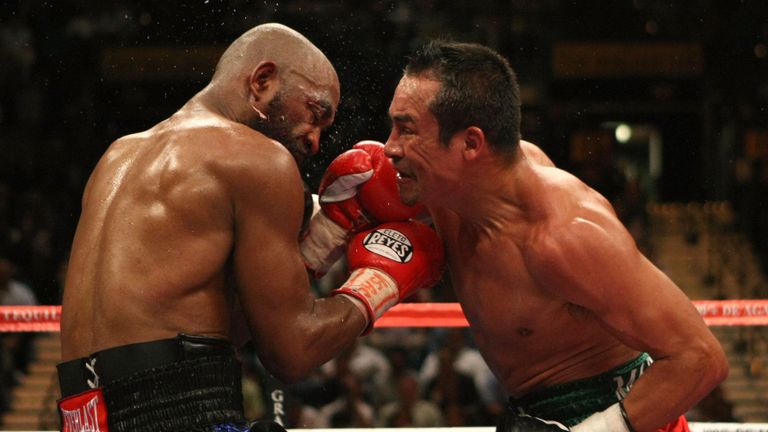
403 176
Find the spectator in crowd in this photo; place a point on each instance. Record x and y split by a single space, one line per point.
350 408
458 379
713 408
12 291
16 348
368 364
410 408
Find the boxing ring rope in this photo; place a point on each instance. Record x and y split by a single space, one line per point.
714 313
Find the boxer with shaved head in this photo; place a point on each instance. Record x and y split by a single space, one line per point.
200 213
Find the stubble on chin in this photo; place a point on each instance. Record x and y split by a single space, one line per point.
409 198
280 131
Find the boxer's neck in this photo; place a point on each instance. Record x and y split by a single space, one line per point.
214 99
492 192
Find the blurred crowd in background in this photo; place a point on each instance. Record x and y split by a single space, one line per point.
75 75
394 378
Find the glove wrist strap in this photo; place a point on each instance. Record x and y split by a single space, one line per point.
610 420
324 244
374 288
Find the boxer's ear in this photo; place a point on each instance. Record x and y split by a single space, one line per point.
262 80
473 140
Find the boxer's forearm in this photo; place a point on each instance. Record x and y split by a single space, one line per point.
673 385
330 325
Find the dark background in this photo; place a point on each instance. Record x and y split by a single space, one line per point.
691 77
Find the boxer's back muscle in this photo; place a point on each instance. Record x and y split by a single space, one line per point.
153 240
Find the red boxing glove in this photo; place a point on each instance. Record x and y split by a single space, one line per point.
358 190
379 196
390 262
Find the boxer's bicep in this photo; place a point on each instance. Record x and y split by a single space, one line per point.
270 276
598 267
293 331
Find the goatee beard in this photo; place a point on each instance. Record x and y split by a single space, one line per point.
277 127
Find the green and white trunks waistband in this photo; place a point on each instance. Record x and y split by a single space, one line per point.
570 403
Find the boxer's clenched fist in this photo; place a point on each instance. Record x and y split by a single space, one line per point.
389 263
357 191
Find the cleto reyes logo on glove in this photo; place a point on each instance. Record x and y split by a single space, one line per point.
390 244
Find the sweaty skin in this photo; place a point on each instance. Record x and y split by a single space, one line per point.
181 220
551 282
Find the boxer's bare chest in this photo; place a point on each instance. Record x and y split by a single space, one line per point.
527 333
492 281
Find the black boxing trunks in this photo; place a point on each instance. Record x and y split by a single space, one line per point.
572 402
186 383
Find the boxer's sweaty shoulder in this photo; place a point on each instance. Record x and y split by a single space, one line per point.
155 234
576 217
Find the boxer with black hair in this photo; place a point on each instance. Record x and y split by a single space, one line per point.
203 212
564 308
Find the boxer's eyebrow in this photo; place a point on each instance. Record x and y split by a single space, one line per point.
402 118
325 108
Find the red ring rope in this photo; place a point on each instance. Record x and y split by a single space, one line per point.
714 312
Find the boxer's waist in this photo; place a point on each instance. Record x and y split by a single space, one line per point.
571 402
109 365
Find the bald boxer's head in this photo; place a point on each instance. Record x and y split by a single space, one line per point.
276 81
